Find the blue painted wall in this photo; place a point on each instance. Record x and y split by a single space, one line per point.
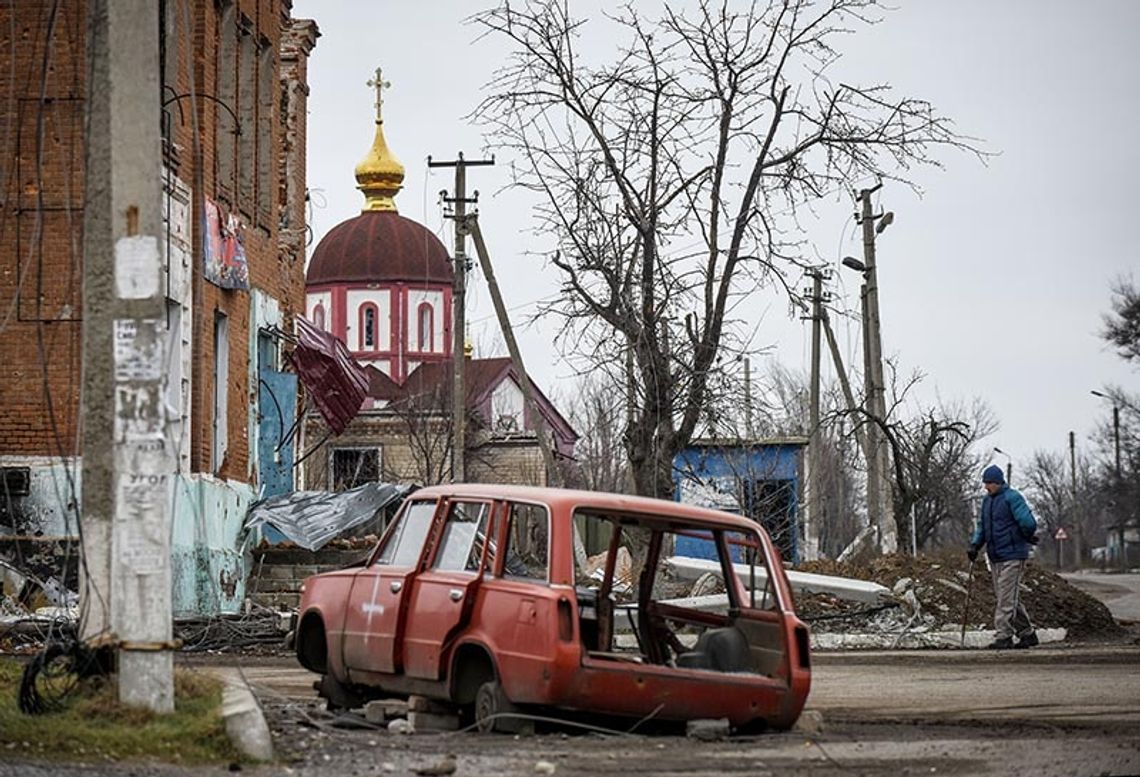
760 481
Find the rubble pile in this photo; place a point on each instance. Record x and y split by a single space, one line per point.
930 593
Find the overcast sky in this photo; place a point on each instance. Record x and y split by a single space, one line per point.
992 283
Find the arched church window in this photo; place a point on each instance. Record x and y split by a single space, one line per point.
426 339
319 316
368 327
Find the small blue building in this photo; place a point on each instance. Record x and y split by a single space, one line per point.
759 479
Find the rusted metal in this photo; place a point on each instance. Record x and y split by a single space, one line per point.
413 627
334 380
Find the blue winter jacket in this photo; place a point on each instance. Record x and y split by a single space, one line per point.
1003 525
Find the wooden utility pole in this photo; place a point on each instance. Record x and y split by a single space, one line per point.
461 267
128 459
813 523
845 384
878 485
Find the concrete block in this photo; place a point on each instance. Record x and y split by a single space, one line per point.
400 726
430 721
708 730
810 723
424 704
383 710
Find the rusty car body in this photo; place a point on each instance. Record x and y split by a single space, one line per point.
474 596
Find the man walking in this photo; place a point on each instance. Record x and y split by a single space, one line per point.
1006 527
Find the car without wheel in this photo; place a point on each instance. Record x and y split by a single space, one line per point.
482 597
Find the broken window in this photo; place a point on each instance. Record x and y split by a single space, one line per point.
527 554
267 162
464 535
646 606
226 110
368 327
406 538
352 467
247 115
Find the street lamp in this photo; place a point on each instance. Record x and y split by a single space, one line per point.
1115 427
1008 465
854 264
1116 443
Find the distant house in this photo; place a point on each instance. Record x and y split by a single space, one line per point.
759 479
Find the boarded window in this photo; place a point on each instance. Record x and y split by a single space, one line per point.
247 116
426 339
267 160
227 96
352 467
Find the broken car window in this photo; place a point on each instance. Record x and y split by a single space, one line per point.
528 546
461 548
406 541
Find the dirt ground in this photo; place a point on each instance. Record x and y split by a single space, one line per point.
1064 711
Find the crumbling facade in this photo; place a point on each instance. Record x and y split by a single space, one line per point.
233 119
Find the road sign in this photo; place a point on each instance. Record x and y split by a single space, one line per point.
1060 534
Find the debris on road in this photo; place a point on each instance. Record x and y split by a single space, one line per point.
708 730
930 592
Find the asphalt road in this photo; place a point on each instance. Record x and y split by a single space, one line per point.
1120 592
1057 711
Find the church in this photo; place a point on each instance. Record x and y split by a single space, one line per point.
382 284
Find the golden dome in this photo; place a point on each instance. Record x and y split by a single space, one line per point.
379 175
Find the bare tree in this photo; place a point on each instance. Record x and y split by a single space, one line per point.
669 177
425 418
597 412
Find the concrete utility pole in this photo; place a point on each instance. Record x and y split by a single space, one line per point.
876 395
459 309
128 461
813 524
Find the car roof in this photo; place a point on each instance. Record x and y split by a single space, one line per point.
574 499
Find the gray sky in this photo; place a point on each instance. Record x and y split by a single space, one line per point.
992 283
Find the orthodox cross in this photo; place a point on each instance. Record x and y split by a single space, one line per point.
380 85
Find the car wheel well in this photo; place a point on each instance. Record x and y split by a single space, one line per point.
471 667
312 644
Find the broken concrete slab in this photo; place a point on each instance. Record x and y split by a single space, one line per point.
806 582
422 722
708 729
810 723
382 710
976 639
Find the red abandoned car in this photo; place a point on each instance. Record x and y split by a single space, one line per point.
482 597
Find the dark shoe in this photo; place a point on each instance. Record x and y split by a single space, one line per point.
1005 643
1029 641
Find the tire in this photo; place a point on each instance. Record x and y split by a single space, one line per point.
491 701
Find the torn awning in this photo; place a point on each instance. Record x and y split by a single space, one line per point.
334 380
312 518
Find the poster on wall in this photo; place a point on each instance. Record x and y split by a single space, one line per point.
223 253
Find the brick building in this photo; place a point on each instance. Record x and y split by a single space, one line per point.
232 112
382 284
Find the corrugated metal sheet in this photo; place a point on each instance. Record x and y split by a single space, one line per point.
312 518
334 380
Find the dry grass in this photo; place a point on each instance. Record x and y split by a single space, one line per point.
93 726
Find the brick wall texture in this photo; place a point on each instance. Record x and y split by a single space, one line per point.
42 91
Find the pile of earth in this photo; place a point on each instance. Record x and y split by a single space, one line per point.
937 584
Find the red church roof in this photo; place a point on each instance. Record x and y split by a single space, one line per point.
379 247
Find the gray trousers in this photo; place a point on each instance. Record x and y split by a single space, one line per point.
1010 617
